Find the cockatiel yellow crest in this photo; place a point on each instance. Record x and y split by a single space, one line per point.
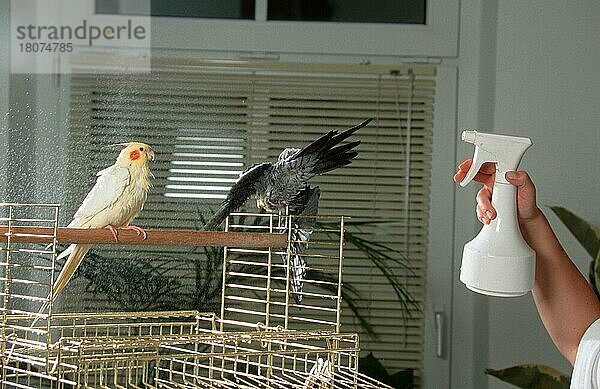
115 200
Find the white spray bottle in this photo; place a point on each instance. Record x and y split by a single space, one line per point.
497 261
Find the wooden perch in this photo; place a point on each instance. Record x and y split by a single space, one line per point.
155 237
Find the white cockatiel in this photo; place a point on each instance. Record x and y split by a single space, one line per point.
115 200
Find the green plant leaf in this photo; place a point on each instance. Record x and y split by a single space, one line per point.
134 283
371 366
382 256
404 379
586 233
532 377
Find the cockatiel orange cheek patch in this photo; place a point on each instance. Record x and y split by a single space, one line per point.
135 154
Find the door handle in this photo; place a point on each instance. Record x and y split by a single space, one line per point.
439 334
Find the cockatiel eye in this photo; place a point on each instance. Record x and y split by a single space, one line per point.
141 149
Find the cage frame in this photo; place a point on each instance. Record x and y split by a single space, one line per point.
87 349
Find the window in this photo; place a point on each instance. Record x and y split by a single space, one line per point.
384 28
217 9
208 121
378 11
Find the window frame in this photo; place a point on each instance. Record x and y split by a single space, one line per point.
437 38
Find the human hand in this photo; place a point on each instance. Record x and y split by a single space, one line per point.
527 209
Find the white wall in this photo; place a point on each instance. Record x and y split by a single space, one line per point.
540 75
548 87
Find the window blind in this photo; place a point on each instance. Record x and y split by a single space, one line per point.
208 121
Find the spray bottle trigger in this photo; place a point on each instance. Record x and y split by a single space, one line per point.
480 157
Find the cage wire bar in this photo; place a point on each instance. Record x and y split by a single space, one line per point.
27 271
256 282
265 337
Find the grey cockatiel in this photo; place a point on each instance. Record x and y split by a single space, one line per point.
284 184
275 184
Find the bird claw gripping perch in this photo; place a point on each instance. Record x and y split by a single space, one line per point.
139 231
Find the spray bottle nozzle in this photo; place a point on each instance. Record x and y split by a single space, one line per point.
503 150
469 136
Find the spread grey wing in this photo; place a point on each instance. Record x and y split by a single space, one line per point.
239 193
294 168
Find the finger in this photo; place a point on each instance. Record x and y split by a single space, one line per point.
484 204
481 216
485 215
463 168
525 187
488 168
518 179
485 175
459 176
465 165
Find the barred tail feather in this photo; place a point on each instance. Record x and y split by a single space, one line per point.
298 275
305 205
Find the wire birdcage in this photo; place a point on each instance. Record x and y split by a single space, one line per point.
266 336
